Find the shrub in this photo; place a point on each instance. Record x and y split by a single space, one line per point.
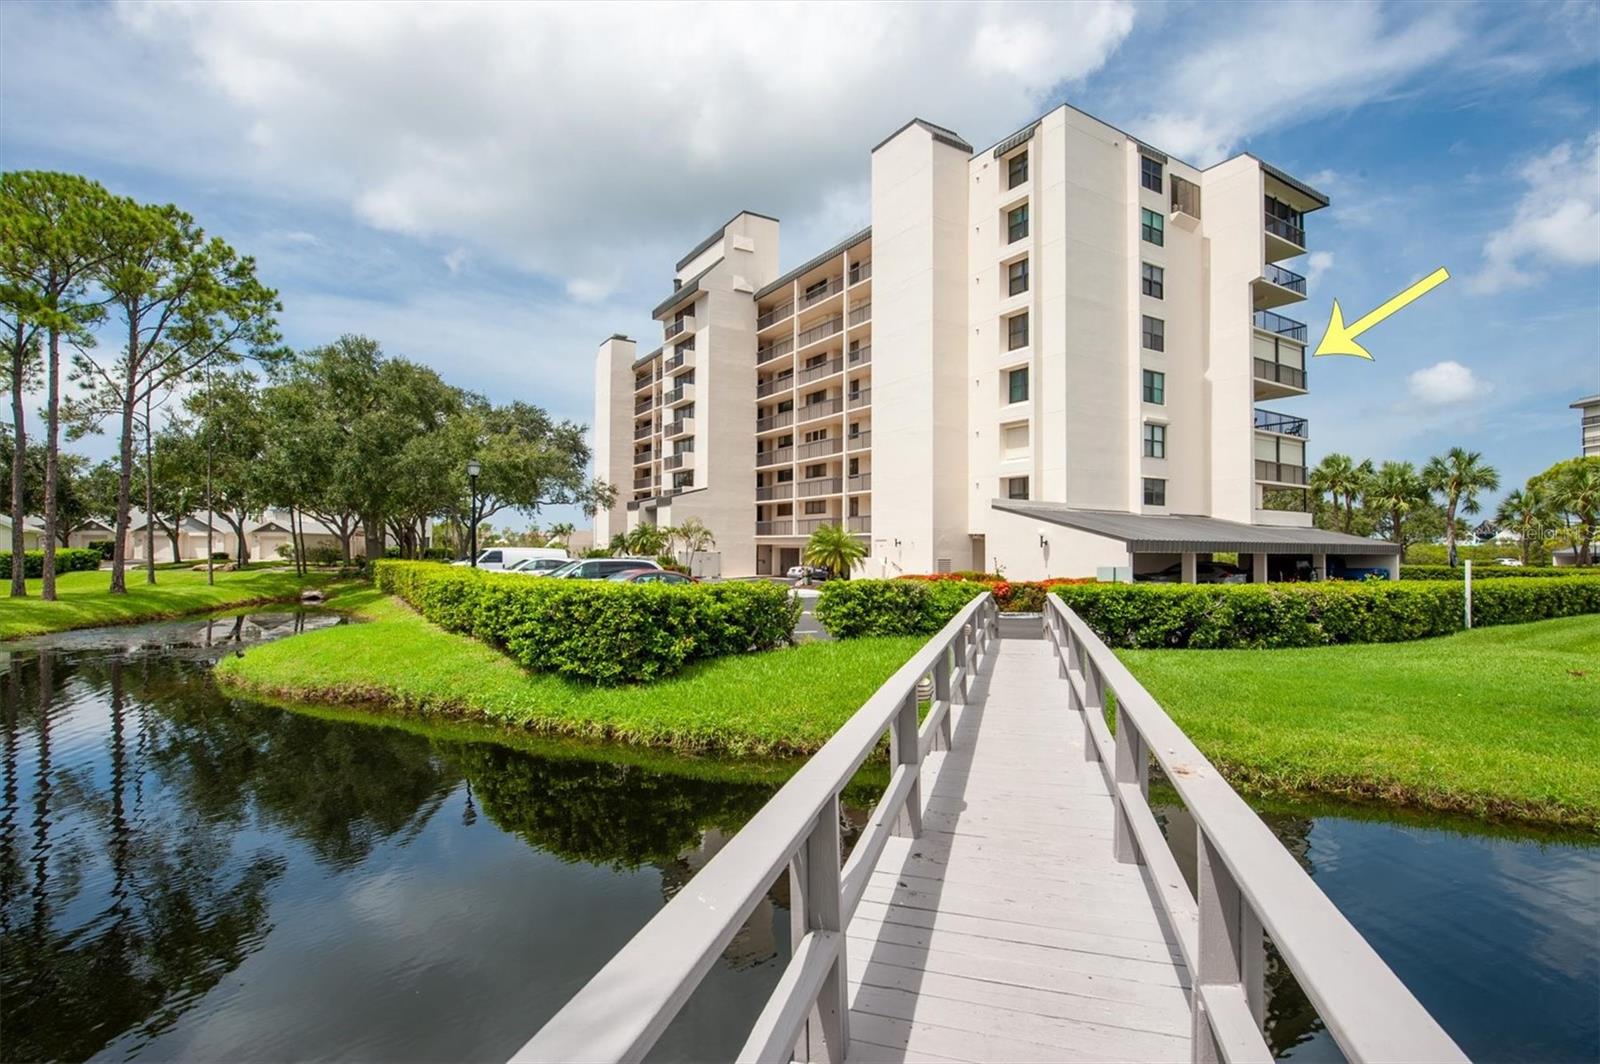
1486 571
851 608
106 547
1011 596
596 631
1214 616
431 554
68 560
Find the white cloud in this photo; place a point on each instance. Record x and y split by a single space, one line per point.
1317 264
456 259
1556 223
1290 62
1444 384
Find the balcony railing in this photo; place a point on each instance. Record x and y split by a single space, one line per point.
1185 197
678 359
676 461
1285 278
1279 473
819 448
806 526
777 456
775 315
774 528
641 405
679 326
781 383
860 523
645 456
1279 373
1282 227
860 440
1282 326
642 482
779 420
860 399
861 271
680 426
859 356
642 431
818 332
775 491
643 381
861 312
1287 425
776 349
824 486
811 299
860 482
812 411
824 369
678 394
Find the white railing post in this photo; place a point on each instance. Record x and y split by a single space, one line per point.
1094 700
905 750
958 647
941 693
1133 766
828 1031
1231 948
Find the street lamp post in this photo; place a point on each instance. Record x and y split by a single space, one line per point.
473 469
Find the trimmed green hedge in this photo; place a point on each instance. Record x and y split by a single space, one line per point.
592 630
1484 571
850 608
1219 616
68 560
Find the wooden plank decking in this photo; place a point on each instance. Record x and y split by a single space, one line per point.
1008 930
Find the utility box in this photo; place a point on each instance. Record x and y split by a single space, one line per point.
705 564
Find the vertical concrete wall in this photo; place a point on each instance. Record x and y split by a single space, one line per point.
1232 199
613 430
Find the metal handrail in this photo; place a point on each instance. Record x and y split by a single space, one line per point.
1280 373
1248 882
1283 278
1280 472
818 332
1277 323
1284 424
776 349
830 288
775 315
1282 227
622 1011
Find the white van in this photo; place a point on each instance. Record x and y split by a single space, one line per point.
506 557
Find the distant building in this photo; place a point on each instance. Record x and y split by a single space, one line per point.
1590 439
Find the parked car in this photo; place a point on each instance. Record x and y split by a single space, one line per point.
506 557
601 568
537 566
808 572
649 576
1204 573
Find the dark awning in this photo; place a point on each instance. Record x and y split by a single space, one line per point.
1179 533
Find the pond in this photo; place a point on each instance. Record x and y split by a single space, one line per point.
188 875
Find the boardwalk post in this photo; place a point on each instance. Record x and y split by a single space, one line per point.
798 922
829 1027
941 693
959 649
1229 940
1094 699
1133 766
904 750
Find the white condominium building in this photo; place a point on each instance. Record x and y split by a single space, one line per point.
1044 357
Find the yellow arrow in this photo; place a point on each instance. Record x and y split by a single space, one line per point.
1340 339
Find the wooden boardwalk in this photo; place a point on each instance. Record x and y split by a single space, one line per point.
1008 930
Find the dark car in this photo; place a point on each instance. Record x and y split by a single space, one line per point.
649 576
601 568
812 574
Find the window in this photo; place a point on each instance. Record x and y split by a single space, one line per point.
489 557
814 290
1017 331
1155 440
1153 279
1149 173
818 470
1017 385
1017 223
1014 440
855 506
1155 333
816 506
785 476
1155 491
855 467
1150 227
1017 169
1016 487
1155 387
1017 277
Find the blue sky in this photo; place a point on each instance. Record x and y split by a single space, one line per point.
494 189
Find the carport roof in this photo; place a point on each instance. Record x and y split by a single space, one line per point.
1177 533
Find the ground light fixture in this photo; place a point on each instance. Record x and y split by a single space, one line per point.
474 467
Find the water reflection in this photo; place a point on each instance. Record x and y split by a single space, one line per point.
180 870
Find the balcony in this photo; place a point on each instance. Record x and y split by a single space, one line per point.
861 312
1185 200
781 383
643 381
643 404
681 427
776 456
679 359
821 370
860 399
1274 380
644 457
820 294
861 271
1277 287
775 528
825 486
781 312
776 349
1281 424
819 448
1280 473
812 335
679 327
860 441
860 523
812 411
859 356
683 393
1278 325
1286 237
860 482
782 419
678 460
808 525
642 431
640 483
775 491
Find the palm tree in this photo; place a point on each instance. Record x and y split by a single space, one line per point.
646 541
1575 491
1458 475
695 536
1524 511
559 533
618 544
832 548
1343 480
1394 490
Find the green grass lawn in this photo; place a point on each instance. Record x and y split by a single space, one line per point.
1499 722
778 702
84 602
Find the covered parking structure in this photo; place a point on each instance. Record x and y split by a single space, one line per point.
1034 540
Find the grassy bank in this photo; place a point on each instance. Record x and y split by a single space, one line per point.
1497 722
84 602
775 703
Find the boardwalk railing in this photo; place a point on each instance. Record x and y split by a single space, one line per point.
1247 882
620 1013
